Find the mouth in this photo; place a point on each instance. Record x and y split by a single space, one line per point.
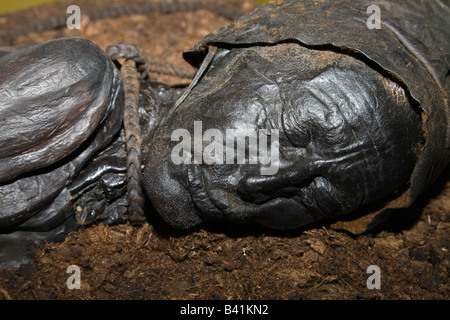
199 194
205 201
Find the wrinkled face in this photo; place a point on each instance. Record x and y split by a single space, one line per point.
334 134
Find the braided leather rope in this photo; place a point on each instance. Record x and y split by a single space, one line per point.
133 141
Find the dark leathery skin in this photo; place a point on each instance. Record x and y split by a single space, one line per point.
99 190
409 58
37 168
363 113
411 48
50 102
348 136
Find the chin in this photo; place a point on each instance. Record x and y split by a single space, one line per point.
165 185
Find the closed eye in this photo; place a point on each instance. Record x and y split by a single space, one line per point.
294 128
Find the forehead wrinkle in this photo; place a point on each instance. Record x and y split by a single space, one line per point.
360 102
327 101
372 101
372 105
356 146
350 103
364 101
271 109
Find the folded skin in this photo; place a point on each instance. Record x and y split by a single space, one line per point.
347 136
60 103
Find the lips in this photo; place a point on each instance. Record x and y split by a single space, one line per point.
199 194
213 202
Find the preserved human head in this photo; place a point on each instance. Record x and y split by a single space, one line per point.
347 136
